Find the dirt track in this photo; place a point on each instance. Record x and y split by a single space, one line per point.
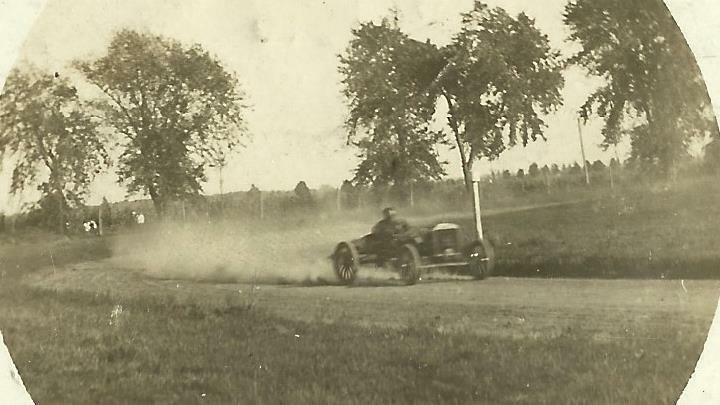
518 307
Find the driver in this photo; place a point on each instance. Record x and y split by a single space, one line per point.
387 232
390 227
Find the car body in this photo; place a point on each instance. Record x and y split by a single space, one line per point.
439 246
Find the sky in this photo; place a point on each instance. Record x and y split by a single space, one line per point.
285 55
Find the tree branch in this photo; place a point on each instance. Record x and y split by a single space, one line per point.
124 110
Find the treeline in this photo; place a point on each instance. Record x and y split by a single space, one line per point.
527 186
166 111
169 112
499 78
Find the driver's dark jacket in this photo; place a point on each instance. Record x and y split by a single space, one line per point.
388 229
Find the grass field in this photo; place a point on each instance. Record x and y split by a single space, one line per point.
599 301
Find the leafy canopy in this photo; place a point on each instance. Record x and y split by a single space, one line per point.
386 77
501 77
175 108
498 77
51 137
654 91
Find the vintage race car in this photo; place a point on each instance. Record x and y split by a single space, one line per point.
437 247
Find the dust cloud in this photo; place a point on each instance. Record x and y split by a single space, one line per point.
233 251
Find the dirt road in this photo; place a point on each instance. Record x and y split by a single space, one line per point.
515 307
506 306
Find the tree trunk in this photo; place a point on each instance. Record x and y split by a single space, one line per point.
55 190
61 203
465 160
157 203
401 176
467 175
61 217
667 162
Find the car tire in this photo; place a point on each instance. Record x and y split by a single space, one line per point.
481 259
409 264
346 262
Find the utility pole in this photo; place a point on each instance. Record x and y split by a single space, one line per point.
412 194
617 158
221 179
222 199
476 204
338 199
582 151
617 162
262 205
100 220
547 182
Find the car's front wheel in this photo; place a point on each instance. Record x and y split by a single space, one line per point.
346 262
481 259
409 264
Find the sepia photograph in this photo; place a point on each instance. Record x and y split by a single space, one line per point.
356 202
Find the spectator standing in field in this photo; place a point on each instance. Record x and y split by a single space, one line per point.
90 226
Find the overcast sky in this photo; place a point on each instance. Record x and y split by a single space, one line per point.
285 54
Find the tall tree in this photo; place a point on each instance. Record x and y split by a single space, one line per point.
534 170
386 76
501 76
175 108
653 90
106 212
55 144
597 166
498 77
349 194
303 195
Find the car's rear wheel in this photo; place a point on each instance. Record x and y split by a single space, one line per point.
346 262
481 259
409 264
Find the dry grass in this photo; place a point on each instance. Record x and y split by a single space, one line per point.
243 313
82 347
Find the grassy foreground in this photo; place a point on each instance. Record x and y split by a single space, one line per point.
117 330
80 347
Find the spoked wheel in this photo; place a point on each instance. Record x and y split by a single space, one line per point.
409 264
346 262
481 259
